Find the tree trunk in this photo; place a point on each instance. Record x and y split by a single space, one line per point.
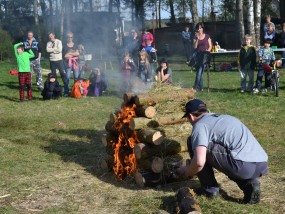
62 10
159 14
155 164
194 11
239 20
91 5
257 22
150 136
110 6
282 10
250 20
172 14
203 10
36 16
51 14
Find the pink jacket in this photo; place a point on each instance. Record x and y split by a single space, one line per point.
146 37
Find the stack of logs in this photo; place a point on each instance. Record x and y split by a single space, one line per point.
160 130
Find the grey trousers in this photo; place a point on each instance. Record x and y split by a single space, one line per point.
218 157
36 67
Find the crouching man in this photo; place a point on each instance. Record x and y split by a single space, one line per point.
223 142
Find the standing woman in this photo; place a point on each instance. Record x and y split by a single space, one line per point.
202 44
71 54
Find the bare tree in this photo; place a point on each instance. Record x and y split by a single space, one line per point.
250 20
257 21
172 14
239 19
282 10
36 17
194 11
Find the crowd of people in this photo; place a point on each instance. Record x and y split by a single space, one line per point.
138 58
67 59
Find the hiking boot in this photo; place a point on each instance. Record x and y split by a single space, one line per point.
202 191
252 194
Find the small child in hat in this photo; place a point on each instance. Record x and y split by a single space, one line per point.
52 89
266 57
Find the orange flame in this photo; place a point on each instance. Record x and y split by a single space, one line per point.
125 162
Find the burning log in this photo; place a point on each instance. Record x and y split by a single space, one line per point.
113 117
107 163
185 202
147 179
129 98
168 147
108 139
142 122
150 136
109 127
155 164
146 111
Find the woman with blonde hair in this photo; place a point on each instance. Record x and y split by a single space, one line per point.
144 71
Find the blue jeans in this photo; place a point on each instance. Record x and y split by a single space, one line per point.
250 74
68 73
199 77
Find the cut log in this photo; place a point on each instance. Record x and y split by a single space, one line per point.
185 202
113 117
177 94
174 118
146 111
168 147
141 122
108 139
109 127
107 163
144 179
150 136
129 98
155 164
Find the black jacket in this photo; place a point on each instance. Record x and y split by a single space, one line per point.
247 57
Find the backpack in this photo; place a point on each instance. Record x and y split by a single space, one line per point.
152 56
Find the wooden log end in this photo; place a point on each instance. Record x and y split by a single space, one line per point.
157 165
138 150
157 138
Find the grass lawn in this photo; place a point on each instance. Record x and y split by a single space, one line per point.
50 150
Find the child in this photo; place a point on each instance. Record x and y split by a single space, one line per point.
97 83
144 71
80 88
247 63
23 61
52 89
128 68
266 57
163 72
152 56
81 61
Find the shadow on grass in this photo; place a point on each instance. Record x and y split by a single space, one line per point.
11 85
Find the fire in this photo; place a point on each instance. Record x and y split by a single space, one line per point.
125 163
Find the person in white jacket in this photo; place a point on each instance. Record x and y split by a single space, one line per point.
54 48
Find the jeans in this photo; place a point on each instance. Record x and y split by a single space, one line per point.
68 73
260 75
36 66
219 157
199 77
188 49
250 74
59 65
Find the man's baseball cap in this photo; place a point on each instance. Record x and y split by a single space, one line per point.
194 105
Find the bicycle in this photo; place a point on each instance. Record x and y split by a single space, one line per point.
274 78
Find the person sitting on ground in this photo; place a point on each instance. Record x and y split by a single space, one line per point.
97 83
152 57
266 57
270 34
222 142
80 88
247 63
52 89
25 77
163 72
128 68
144 71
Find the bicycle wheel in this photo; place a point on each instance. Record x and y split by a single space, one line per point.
276 83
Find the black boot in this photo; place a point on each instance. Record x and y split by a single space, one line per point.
251 193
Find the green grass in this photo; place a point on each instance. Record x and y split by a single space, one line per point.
50 150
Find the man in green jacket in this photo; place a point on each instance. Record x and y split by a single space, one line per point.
23 62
